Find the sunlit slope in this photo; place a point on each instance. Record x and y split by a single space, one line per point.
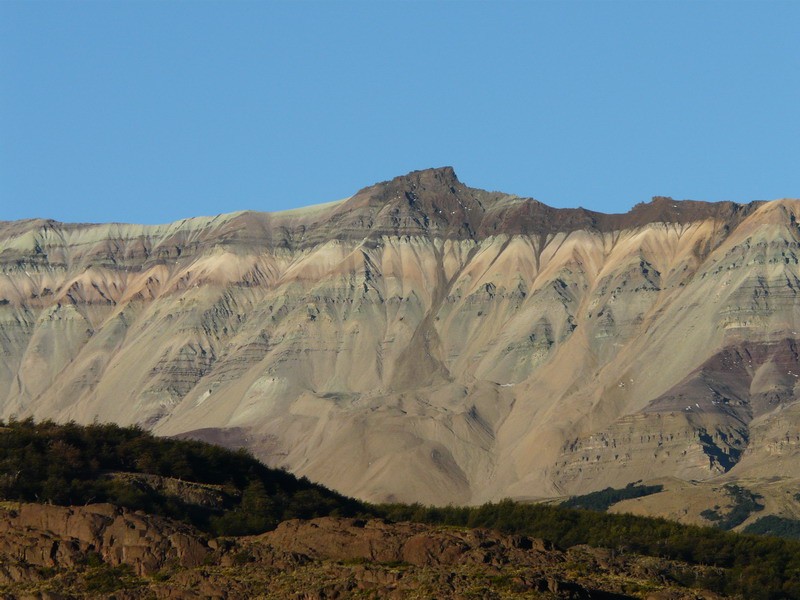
423 340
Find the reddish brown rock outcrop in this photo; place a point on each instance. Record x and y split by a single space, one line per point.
101 551
411 543
42 535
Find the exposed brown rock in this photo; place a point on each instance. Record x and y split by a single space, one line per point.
412 543
42 535
197 494
46 550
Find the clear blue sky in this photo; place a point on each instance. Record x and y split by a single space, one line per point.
154 111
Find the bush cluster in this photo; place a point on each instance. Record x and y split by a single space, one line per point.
67 464
604 499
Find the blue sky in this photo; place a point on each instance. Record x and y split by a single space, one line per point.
155 111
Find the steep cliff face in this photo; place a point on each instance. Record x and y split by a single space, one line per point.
423 340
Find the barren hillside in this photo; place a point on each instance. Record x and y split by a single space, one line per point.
426 341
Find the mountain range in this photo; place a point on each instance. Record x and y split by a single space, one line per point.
425 341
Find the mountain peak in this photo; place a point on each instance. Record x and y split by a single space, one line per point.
439 178
420 202
438 175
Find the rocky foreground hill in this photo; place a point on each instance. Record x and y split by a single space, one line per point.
107 512
101 551
427 341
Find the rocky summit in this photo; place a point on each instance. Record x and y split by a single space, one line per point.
426 341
